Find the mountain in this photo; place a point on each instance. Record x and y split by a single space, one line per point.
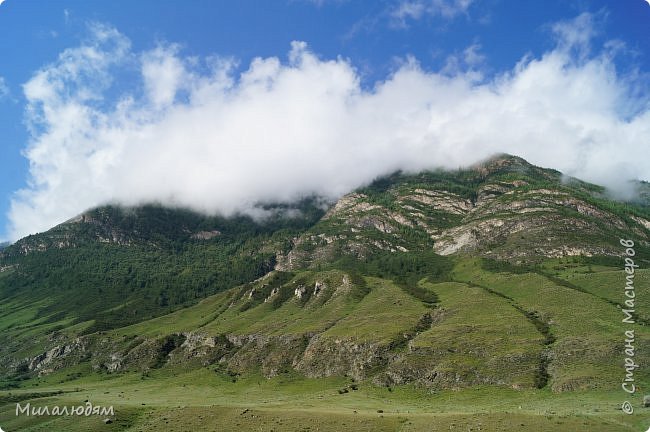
89 266
504 209
503 279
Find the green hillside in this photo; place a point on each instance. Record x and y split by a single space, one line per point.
481 299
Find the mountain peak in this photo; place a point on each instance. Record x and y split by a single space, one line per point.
505 163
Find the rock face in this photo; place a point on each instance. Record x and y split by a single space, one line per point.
65 352
313 355
206 235
300 291
513 211
325 357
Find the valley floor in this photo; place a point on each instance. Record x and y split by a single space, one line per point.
202 400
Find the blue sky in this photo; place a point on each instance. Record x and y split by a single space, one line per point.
68 144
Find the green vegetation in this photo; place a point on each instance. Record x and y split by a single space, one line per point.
406 269
355 321
204 400
154 268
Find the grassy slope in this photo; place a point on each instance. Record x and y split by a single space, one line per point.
481 334
485 330
336 314
122 266
588 352
607 283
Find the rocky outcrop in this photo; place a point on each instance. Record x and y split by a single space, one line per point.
70 352
205 235
516 220
441 201
325 357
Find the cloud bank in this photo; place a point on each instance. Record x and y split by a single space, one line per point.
196 133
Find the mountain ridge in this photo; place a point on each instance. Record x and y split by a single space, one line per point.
506 195
388 286
501 166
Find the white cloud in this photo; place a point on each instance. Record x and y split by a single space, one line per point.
198 134
576 34
468 62
163 75
4 89
417 9
472 55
